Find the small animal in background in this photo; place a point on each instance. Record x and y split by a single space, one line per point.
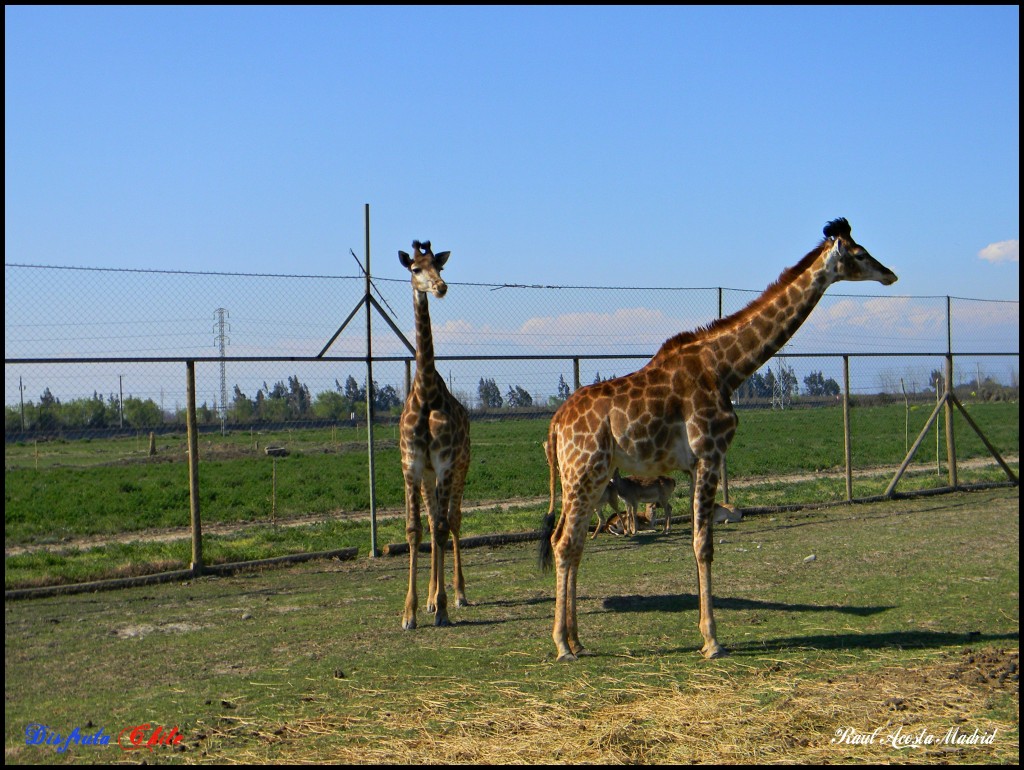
615 523
727 514
608 497
633 490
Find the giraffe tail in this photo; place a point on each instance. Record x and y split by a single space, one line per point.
545 553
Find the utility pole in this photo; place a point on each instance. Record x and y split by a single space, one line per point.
779 389
221 329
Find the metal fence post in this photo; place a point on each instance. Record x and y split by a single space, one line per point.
950 440
193 470
847 453
369 397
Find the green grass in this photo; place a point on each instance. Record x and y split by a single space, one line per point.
61 491
903 619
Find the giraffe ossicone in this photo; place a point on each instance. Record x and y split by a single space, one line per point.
676 414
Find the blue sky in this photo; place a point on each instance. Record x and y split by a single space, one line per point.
652 146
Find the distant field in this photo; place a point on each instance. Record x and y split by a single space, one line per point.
59 492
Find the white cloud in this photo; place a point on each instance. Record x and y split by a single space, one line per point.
872 314
625 326
1002 251
624 329
986 315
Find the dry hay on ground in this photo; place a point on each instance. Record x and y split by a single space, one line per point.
770 716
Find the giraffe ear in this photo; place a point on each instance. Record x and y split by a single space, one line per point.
440 259
404 259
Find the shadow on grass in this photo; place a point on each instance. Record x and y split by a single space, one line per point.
666 603
891 640
686 602
885 640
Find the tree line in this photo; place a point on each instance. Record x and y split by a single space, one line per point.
291 400
784 384
489 396
285 401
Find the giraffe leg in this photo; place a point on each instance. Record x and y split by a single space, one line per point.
668 516
573 627
455 524
413 536
437 547
568 550
706 485
458 581
429 484
560 634
438 510
432 585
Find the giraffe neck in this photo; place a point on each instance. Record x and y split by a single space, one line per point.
743 342
425 371
738 345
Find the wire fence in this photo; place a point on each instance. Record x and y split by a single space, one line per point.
82 335
91 353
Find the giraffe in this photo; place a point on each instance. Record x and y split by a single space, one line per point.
676 413
434 441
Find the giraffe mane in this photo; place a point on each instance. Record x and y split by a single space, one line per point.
837 228
767 296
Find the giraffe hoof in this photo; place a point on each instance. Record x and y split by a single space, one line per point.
566 658
442 621
409 624
713 651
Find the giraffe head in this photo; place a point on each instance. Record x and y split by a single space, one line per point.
848 260
425 267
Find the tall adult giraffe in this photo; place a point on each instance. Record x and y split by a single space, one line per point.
434 441
676 413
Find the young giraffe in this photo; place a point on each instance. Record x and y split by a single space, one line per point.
434 441
676 413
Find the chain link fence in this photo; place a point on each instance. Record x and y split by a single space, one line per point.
92 353
83 335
